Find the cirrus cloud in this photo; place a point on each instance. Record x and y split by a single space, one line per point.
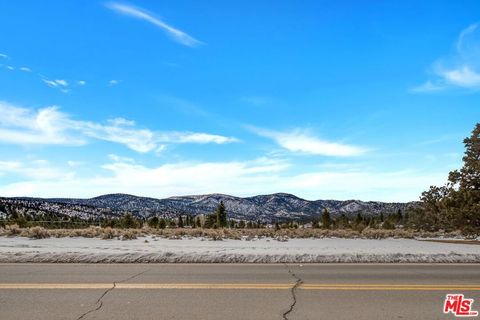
50 126
459 70
176 34
301 141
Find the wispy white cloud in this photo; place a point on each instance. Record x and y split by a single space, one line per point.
113 82
60 84
49 126
50 83
176 34
463 77
429 86
301 141
459 70
43 126
193 137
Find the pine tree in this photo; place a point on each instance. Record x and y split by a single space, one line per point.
221 215
359 218
180 222
210 221
456 204
326 221
162 223
127 221
399 216
463 202
433 204
198 222
153 222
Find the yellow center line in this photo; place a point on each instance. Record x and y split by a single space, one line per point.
55 285
246 286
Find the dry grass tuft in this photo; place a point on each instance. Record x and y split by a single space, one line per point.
36 233
129 234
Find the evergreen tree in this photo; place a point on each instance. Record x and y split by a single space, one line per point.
463 203
22 222
210 221
13 213
153 222
359 219
343 222
180 222
399 216
221 215
326 221
456 204
433 205
127 221
162 223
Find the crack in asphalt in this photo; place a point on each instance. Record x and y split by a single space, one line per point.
99 302
298 282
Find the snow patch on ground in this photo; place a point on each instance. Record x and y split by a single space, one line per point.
94 250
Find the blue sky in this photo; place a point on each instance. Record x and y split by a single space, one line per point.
323 99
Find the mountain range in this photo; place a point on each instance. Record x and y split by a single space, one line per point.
266 208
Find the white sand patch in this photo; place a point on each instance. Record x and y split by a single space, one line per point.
94 250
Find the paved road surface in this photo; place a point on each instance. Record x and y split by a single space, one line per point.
235 291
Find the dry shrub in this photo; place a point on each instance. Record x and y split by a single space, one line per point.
37 233
13 230
60 233
109 233
216 237
129 234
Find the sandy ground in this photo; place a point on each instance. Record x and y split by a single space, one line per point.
150 249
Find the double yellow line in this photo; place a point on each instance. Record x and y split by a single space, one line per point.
244 286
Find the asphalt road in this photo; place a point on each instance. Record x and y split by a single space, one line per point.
233 291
